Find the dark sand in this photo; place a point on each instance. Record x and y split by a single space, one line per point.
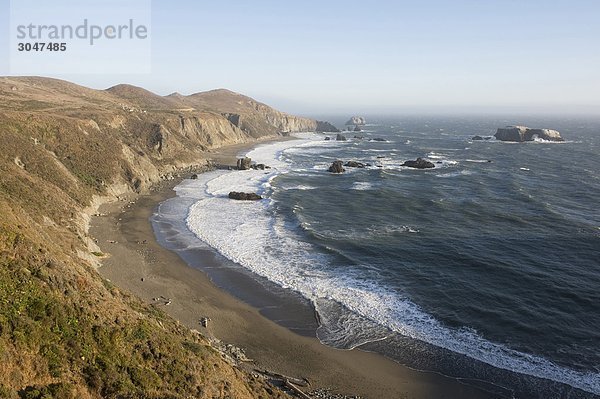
137 263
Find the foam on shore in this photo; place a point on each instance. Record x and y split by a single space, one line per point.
354 308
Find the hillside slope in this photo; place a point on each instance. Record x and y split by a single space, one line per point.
66 332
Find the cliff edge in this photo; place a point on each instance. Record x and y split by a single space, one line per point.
64 330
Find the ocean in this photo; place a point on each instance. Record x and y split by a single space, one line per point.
485 268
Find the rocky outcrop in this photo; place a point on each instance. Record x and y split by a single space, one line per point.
326 127
420 163
355 164
239 196
357 128
340 137
357 121
337 167
522 133
244 163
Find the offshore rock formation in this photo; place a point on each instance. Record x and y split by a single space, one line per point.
357 121
523 133
337 167
326 127
420 163
356 164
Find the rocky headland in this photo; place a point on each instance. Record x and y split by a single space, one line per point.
65 331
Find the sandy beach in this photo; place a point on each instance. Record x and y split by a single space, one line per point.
137 263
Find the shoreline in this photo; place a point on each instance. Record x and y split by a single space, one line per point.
138 263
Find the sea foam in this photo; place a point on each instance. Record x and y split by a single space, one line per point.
254 236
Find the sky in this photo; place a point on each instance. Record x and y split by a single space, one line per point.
320 57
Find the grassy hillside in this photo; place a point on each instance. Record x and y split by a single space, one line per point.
65 332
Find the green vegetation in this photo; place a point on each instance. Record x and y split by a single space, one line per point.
135 352
65 332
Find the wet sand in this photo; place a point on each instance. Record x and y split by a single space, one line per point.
138 263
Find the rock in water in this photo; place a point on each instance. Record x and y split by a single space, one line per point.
544 134
327 138
420 163
234 195
357 128
477 138
323 127
522 133
244 163
340 137
337 167
354 164
357 120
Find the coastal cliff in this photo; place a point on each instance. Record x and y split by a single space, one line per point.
64 330
250 116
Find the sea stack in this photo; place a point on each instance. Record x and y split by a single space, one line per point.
420 163
326 127
522 133
357 121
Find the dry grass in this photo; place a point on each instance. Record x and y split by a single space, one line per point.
64 331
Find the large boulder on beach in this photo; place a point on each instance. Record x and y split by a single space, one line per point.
337 167
520 134
419 163
239 196
244 163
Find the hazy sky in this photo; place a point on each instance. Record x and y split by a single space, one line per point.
375 56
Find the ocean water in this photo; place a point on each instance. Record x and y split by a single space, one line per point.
485 268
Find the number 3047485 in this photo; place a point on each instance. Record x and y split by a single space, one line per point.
42 46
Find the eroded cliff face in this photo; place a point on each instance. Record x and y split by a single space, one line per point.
285 123
64 331
126 137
